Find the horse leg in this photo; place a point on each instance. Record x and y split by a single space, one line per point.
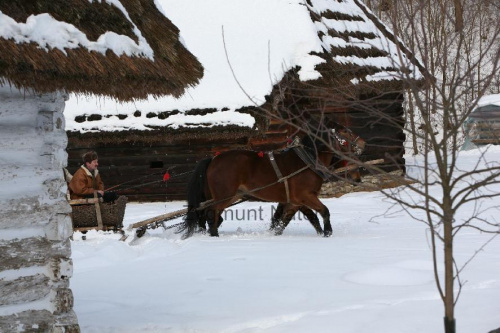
202 222
279 225
313 219
213 222
286 217
214 218
314 203
277 216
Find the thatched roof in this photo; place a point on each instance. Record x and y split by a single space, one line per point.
358 49
323 42
85 64
204 127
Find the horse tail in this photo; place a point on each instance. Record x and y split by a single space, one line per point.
195 196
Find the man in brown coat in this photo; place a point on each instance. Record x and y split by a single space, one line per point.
86 180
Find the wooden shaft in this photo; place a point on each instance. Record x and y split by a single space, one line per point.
355 166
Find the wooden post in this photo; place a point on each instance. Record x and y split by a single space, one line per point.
98 211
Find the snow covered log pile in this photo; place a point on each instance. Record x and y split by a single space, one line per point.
370 182
35 225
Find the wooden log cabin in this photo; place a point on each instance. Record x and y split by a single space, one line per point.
139 157
331 59
483 125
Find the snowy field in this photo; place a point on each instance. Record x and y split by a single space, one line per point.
374 275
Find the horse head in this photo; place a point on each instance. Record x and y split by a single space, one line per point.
346 141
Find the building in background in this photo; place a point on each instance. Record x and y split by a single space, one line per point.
267 67
483 125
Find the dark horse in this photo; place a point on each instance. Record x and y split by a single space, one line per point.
236 173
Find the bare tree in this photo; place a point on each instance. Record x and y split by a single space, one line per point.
459 49
459 45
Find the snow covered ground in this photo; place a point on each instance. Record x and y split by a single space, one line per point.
374 275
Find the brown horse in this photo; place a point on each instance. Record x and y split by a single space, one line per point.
236 173
285 212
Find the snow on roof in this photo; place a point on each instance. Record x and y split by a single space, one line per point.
263 41
50 33
130 52
489 100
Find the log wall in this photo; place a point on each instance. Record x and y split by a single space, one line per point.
35 261
140 167
378 119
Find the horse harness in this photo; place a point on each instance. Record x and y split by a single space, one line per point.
319 168
310 162
278 173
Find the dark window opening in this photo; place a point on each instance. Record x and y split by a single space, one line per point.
156 165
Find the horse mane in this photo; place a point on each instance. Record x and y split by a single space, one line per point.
314 143
310 145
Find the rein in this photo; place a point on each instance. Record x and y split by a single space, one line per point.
149 183
133 180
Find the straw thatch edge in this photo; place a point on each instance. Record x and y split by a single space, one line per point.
160 136
164 134
124 78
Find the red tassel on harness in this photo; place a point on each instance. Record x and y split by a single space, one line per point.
217 153
166 176
260 154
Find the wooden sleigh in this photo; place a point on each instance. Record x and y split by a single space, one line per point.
94 214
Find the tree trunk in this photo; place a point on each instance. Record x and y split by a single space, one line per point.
449 298
459 15
449 325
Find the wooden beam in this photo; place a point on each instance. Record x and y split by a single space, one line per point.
89 201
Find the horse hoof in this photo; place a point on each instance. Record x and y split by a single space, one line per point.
328 233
